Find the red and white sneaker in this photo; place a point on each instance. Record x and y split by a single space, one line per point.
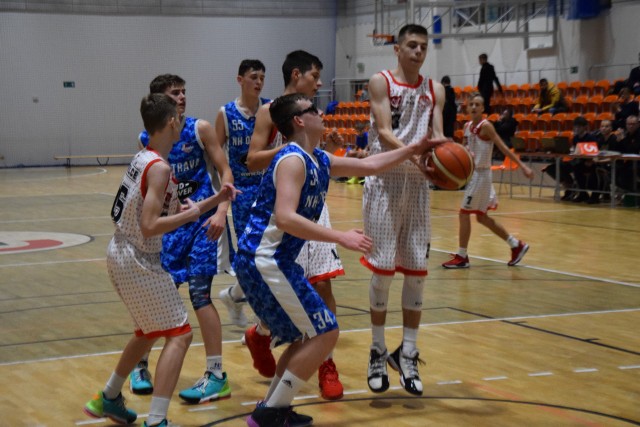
260 348
329 381
457 262
518 253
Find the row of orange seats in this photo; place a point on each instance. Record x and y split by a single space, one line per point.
545 122
570 90
355 107
345 120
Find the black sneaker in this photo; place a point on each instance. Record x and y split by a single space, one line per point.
377 376
294 419
269 417
408 368
299 420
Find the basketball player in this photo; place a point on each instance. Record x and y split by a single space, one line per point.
480 196
405 107
191 253
301 73
234 126
145 207
286 213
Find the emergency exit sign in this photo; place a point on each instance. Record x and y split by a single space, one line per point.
69 84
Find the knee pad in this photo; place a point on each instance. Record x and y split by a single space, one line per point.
379 292
200 291
412 290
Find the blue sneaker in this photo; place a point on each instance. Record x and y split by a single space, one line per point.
140 379
115 409
207 388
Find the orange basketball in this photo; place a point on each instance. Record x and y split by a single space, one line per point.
453 166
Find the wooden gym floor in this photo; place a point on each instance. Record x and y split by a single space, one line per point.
552 342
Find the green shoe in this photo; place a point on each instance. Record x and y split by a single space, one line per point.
115 409
207 388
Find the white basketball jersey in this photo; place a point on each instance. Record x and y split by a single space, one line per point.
127 206
411 111
482 149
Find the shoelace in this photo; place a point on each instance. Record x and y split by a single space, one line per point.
377 364
411 365
202 383
120 403
142 374
329 371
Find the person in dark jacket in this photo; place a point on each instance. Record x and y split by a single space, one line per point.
450 109
486 80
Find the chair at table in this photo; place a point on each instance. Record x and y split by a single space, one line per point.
507 166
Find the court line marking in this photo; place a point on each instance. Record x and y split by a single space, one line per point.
100 171
82 218
346 331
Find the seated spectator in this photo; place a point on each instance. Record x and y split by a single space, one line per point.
551 99
625 107
605 136
506 127
567 180
450 109
628 142
584 170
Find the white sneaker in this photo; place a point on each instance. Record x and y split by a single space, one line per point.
407 365
235 308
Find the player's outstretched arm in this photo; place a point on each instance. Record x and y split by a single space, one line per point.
489 132
290 175
381 111
152 223
371 165
259 156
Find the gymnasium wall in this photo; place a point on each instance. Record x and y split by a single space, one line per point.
111 59
610 38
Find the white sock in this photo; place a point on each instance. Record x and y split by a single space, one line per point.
214 364
158 410
462 252
513 242
377 333
114 386
236 292
261 330
274 383
409 340
285 391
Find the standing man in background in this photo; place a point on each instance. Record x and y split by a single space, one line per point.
486 80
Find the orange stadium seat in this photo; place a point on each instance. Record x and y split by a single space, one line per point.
523 90
607 103
568 121
594 104
591 118
602 87
533 142
557 121
580 104
588 87
542 122
510 91
574 88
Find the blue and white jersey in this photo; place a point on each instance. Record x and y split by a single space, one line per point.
189 162
261 237
238 130
274 284
187 252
